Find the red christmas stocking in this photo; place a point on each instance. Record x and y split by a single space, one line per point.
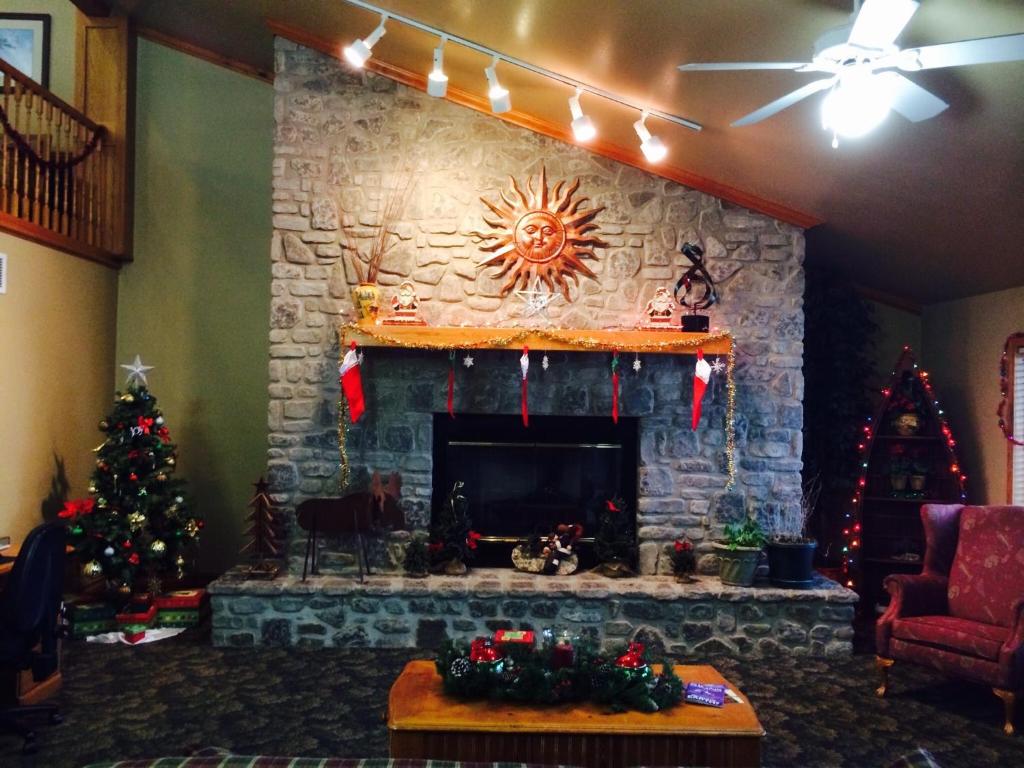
615 386
701 376
352 383
524 363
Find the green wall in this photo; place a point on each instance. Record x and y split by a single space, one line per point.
195 301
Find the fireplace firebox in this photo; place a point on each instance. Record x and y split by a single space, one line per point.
522 481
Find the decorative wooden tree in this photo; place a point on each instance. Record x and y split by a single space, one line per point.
908 458
265 545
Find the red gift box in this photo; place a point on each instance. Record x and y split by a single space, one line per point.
181 599
145 618
514 638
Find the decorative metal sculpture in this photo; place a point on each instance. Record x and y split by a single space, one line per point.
540 235
693 280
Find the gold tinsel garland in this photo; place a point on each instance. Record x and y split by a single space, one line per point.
583 343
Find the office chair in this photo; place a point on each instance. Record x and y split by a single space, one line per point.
30 606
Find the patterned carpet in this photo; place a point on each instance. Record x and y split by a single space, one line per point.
170 697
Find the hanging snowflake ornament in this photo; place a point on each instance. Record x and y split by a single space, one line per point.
637 365
718 366
544 362
468 361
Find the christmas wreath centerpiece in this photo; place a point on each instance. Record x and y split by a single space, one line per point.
509 668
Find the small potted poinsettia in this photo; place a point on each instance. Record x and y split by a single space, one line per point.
684 560
739 552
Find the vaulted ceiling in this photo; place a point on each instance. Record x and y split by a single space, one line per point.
927 211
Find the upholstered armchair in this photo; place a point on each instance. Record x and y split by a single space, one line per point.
964 614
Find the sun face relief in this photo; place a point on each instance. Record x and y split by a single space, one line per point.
540 235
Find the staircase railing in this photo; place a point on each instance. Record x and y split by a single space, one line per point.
56 183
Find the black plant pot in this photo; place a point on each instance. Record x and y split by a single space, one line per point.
790 563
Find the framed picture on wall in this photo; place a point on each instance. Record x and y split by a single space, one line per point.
25 44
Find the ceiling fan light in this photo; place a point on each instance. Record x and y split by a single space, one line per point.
856 105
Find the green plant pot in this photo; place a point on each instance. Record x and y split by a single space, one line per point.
737 566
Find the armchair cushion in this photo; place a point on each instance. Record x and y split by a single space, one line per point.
953 634
987 576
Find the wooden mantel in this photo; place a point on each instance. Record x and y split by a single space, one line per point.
369 334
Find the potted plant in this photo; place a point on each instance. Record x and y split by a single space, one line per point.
790 550
899 473
417 557
366 294
918 475
739 552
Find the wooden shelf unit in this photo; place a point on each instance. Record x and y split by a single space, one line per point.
369 334
888 512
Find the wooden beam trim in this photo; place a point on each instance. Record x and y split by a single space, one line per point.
43 236
94 8
557 131
889 299
190 49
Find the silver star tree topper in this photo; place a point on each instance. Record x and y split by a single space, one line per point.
137 372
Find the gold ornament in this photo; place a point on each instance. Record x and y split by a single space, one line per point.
104 425
161 477
169 461
192 527
92 487
127 397
135 521
92 568
157 547
540 235
125 589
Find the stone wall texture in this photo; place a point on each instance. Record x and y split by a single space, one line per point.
682 621
343 141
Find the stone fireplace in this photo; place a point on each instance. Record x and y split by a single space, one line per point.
340 138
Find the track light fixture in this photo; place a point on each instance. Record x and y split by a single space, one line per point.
358 52
582 126
437 80
498 94
652 147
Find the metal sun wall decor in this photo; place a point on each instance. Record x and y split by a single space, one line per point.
540 235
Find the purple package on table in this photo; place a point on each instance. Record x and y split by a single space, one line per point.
709 694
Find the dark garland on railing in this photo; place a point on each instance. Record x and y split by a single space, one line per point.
53 165
1004 388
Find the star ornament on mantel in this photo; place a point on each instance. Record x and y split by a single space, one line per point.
137 372
536 301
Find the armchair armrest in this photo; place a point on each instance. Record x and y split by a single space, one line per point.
923 595
1011 655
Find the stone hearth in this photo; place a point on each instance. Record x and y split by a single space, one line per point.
703 618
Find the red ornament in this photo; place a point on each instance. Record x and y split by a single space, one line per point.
132 476
482 649
683 546
76 507
145 424
615 386
164 434
134 558
633 658
611 506
127 544
472 539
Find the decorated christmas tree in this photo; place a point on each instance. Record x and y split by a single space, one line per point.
615 541
452 540
137 527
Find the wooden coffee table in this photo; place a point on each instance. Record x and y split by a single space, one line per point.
423 723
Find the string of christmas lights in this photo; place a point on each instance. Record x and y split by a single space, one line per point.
854 516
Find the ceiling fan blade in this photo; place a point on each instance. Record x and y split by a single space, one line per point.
786 101
984 50
910 99
880 22
729 65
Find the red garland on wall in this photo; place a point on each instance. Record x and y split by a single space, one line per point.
853 528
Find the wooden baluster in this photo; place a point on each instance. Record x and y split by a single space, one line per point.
30 104
5 157
77 196
58 174
66 186
90 180
48 173
18 153
39 171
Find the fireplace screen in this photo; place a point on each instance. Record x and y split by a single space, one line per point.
521 481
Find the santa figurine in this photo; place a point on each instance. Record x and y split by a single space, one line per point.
405 306
659 310
559 546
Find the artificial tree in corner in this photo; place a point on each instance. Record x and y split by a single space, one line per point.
138 527
739 552
615 541
453 541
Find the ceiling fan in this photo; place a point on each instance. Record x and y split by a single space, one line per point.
864 68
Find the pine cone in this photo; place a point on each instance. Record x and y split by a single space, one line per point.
461 667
